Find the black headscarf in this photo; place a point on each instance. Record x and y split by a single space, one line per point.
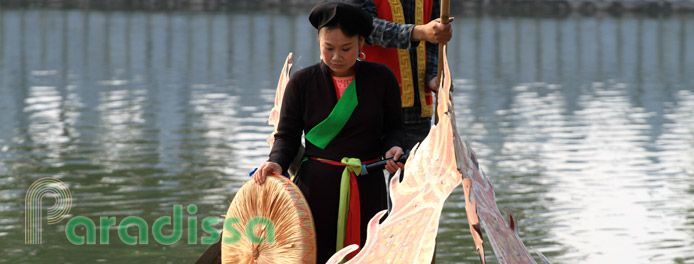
351 19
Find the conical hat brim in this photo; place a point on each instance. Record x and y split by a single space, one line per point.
280 201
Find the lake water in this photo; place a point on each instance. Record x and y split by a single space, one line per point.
585 126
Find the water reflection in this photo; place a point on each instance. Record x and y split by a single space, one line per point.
585 125
572 126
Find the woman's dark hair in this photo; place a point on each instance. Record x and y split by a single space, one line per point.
347 28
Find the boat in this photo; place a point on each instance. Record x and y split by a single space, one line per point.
434 168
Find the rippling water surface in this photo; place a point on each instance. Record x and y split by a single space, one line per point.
585 126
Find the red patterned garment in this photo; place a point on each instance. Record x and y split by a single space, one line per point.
341 84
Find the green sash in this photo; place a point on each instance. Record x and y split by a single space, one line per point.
352 165
325 131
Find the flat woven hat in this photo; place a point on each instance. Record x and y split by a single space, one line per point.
269 223
350 16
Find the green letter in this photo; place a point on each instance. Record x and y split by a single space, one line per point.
229 227
268 232
192 225
166 220
72 235
141 228
207 224
105 223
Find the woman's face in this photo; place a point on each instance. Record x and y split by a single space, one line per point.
338 51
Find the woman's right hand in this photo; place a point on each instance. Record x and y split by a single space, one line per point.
265 169
395 153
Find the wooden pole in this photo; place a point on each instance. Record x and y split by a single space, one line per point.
445 13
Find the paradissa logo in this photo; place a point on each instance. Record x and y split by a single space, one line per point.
33 205
50 185
142 238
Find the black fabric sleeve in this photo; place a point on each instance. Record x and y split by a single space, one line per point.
394 131
290 127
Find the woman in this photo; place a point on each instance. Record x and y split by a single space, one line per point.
347 108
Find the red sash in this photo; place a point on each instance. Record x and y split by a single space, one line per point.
353 232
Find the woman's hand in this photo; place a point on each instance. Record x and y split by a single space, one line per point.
265 169
395 153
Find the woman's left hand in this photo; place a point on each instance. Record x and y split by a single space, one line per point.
395 153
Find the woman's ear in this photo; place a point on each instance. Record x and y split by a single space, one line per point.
361 42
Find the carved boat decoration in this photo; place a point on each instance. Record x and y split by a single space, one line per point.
435 167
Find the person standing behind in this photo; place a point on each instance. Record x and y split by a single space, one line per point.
405 38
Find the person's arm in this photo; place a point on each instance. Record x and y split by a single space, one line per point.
290 126
385 33
394 137
288 136
389 34
393 134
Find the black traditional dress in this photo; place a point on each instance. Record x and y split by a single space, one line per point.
374 127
